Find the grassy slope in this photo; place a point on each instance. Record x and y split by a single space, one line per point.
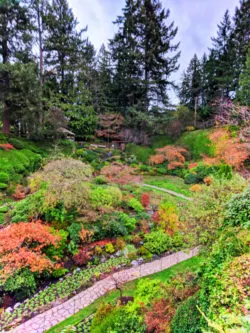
129 289
172 183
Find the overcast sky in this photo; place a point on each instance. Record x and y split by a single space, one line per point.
196 20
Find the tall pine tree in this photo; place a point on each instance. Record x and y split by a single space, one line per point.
15 44
144 55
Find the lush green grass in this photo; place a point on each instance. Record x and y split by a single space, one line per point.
160 141
128 290
172 183
198 143
142 153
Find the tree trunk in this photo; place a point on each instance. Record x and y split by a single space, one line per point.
195 110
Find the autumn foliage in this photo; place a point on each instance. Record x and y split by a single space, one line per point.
175 156
6 146
160 316
229 150
145 199
22 244
110 125
120 174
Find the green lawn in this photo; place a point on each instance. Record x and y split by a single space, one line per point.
128 290
172 183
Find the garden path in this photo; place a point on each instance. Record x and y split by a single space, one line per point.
58 313
169 191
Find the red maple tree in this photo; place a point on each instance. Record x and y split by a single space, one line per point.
21 245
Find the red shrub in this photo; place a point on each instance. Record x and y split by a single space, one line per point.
192 165
120 174
159 317
82 257
6 146
145 199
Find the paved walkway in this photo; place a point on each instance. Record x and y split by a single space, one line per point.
169 191
51 317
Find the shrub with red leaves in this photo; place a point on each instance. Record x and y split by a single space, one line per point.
19 193
159 317
145 200
120 174
6 146
82 257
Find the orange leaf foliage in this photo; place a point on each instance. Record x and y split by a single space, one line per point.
21 246
157 159
86 235
174 155
228 150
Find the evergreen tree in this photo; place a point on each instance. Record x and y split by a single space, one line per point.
15 44
63 45
241 37
104 100
155 42
191 88
223 58
126 57
141 51
243 93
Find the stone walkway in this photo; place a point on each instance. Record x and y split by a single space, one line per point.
51 317
169 191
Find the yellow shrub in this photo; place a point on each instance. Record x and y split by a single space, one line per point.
196 188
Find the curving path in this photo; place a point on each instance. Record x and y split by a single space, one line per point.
169 192
51 317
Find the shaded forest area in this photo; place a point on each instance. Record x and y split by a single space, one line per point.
51 76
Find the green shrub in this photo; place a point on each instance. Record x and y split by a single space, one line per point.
128 221
21 285
157 242
187 317
4 177
160 141
119 319
101 180
238 210
3 186
225 171
16 143
106 196
74 230
198 143
135 205
59 272
191 178
109 248
142 154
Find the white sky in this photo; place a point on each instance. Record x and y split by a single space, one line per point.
196 20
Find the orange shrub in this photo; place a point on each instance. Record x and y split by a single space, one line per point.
208 180
228 150
86 235
196 188
174 155
21 246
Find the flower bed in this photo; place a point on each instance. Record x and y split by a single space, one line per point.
61 290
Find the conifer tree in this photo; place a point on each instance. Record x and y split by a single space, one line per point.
63 45
223 57
142 52
15 44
